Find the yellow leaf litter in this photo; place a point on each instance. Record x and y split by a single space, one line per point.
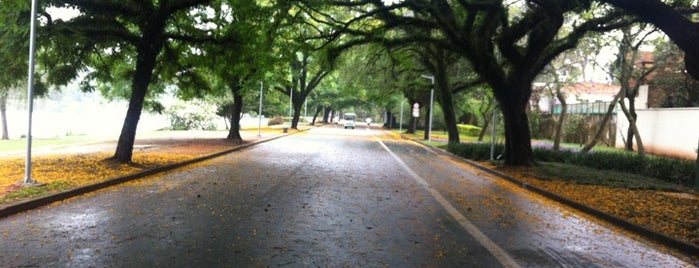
674 214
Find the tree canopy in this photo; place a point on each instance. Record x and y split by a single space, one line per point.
507 44
138 49
673 18
118 41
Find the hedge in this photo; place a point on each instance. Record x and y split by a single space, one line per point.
678 171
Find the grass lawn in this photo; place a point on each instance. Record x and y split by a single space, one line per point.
21 144
18 145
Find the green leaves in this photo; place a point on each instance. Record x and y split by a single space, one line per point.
14 42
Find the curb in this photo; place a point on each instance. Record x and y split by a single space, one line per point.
652 235
22 206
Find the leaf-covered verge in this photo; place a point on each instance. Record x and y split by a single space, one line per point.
656 204
59 172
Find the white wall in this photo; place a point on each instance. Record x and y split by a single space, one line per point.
673 132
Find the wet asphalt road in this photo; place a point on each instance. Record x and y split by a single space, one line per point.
328 197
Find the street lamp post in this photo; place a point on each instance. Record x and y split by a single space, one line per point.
259 114
30 93
429 129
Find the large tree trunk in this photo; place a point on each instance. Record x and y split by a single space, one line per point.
3 115
298 105
561 120
447 103
390 121
326 114
315 115
518 144
234 131
413 125
145 63
513 102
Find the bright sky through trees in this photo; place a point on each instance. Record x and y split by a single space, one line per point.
63 13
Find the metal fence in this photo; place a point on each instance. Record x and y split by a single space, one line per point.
586 108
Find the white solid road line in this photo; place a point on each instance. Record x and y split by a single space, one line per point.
500 254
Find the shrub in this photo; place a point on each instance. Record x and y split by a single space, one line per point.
469 130
189 117
671 170
277 120
474 151
548 155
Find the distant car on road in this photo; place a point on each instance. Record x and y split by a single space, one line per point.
348 120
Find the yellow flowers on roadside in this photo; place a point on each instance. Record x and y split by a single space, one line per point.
673 214
63 171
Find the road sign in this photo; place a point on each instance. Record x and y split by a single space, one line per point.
416 110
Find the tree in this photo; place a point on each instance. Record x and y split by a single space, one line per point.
14 42
671 79
631 72
324 99
393 71
238 67
452 75
553 87
506 47
137 33
306 71
673 19
564 70
486 108
14 31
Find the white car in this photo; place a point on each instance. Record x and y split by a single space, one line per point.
348 120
